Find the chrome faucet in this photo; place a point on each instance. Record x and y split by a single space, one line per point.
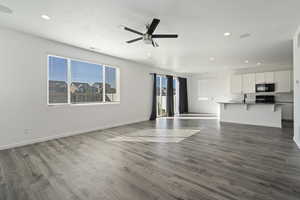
245 97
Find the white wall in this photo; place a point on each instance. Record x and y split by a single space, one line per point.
297 87
207 89
24 114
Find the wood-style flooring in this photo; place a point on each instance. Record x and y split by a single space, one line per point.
222 162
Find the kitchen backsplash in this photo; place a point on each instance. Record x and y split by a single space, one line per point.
282 97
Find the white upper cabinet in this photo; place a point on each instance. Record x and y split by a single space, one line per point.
283 81
269 77
259 78
248 83
236 84
266 77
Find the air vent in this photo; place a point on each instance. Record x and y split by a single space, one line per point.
5 9
245 35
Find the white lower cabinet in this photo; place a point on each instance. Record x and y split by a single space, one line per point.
287 111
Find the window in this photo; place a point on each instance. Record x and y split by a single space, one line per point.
58 75
111 75
87 82
77 82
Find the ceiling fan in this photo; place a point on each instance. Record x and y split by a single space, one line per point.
149 36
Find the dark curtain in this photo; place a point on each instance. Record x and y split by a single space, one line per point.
153 112
170 96
183 98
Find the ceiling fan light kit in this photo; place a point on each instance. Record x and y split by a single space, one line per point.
149 36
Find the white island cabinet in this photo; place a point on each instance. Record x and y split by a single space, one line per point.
251 113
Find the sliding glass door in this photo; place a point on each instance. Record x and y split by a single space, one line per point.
161 87
161 92
176 95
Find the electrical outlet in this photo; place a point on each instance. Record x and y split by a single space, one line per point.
27 131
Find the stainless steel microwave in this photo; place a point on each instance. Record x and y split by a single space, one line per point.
265 87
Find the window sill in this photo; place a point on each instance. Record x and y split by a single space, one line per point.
84 104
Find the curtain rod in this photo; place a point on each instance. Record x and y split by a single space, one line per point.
163 74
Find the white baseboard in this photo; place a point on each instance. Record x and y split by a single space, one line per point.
52 137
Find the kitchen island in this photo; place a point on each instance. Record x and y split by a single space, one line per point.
252 113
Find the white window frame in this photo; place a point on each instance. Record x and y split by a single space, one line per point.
69 81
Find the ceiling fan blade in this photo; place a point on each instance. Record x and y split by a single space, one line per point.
153 26
5 9
165 36
134 40
153 44
133 31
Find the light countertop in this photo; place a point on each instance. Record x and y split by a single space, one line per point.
253 102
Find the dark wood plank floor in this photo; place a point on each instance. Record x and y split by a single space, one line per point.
224 162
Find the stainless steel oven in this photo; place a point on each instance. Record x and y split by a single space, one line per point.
265 99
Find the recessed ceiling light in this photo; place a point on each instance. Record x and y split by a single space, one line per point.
246 61
258 64
5 9
45 17
227 34
212 59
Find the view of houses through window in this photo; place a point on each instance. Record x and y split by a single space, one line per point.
58 80
161 92
77 82
86 84
110 84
